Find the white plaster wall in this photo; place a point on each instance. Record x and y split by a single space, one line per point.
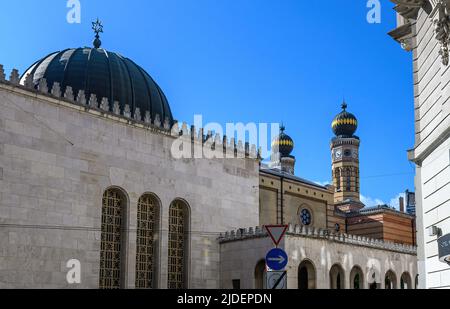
432 149
240 258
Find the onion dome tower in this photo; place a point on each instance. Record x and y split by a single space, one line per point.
282 147
345 161
104 74
345 124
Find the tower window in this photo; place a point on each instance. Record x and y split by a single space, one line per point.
338 179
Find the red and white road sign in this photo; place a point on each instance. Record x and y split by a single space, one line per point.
276 232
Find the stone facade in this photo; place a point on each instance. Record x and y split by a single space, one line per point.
296 196
58 156
423 28
242 250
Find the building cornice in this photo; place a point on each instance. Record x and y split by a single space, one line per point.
102 108
378 210
297 231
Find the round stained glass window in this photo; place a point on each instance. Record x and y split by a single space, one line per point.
306 217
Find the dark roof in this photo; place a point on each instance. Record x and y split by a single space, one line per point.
279 173
377 210
105 74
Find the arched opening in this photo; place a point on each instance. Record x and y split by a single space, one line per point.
146 241
306 276
337 275
260 272
406 281
338 180
357 278
390 281
113 239
178 245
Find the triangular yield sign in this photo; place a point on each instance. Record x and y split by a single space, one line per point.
276 232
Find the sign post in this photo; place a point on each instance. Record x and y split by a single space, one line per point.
276 259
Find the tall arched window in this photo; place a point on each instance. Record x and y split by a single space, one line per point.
178 245
348 173
112 238
146 249
338 179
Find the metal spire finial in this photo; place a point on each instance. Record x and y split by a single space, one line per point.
97 26
344 105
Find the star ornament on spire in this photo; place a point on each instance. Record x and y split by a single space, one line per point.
97 26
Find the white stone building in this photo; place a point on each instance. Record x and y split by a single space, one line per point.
423 28
318 260
87 173
60 157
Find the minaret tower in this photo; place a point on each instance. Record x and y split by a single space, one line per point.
282 147
345 158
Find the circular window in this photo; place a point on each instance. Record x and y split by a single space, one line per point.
306 217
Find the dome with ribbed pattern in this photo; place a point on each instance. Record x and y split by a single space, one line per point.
345 124
105 74
283 143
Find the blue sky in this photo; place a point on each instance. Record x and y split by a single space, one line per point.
253 61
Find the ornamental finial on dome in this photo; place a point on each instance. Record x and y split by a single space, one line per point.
344 105
97 26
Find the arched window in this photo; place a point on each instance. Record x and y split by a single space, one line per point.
337 277
356 278
390 281
306 276
348 186
338 179
146 248
405 281
112 238
178 245
260 271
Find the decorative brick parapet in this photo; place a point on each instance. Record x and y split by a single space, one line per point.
321 234
138 118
